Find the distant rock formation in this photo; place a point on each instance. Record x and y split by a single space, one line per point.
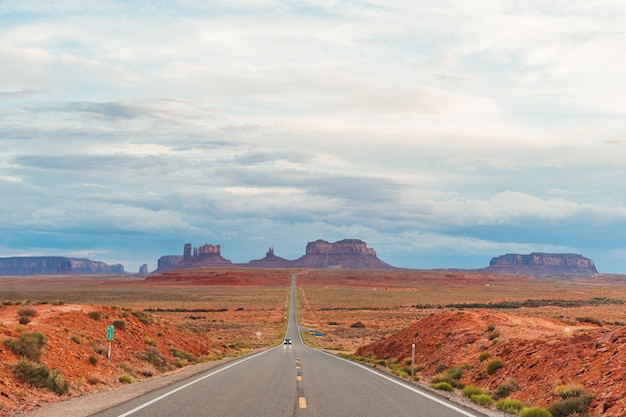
143 269
345 254
541 264
270 261
48 265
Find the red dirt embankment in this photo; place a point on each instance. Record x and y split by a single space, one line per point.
73 337
539 354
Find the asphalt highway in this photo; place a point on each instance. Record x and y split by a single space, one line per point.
290 380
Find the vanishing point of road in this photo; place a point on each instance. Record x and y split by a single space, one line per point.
290 380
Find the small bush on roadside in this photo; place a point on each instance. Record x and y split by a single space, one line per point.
510 406
126 368
95 315
396 369
76 339
153 357
570 406
483 355
119 324
568 391
443 386
482 399
143 317
592 320
23 320
181 354
93 360
504 390
357 325
470 390
29 346
493 366
535 412
125 379
40 376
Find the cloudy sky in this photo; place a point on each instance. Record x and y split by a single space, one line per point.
442 133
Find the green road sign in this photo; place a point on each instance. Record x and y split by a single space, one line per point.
110 330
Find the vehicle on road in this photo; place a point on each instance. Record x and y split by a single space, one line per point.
287 341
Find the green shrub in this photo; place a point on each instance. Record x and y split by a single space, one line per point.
443 386
29 346
76 339
470 390
125 379
190 357
510 406
570 406
357 325
535 412
119 324
592 320
504 390
127 368
456 372
24 320
93 360
482 399
95 315
483 355
493 366
568 391
154 358
143 317
40 376
398 370
27 310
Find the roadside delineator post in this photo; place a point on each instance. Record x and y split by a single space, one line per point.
413 361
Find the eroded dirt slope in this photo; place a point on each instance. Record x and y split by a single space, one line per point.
539 354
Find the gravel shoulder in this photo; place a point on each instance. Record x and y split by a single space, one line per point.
89 404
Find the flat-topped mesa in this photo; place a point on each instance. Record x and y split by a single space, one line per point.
538 263
345 254
343 247
193 257
50 265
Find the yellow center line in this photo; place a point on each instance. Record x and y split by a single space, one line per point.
298 378
302 402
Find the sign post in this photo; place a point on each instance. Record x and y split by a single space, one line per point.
110 331
413 361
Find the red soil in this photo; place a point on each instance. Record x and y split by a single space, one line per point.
539 354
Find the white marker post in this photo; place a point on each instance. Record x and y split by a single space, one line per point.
413 361
110 331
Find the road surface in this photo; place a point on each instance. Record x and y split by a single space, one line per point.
290 380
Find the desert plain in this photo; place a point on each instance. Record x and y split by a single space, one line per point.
547 334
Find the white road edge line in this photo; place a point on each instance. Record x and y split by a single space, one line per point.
415 390
167 394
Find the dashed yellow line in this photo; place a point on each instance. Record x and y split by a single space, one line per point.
302 402
299 378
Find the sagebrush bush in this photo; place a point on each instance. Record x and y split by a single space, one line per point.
119 324
443 386
510 406
29 345
40 376
357 325
154 357
568 391
125 379
483 355
27 310
93 360
189 357
535 412
95 315
470 390
482 399
504 390
493 366
570 406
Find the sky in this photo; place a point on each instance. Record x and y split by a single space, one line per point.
442 133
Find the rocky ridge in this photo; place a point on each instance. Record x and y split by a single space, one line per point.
344 254
541 264
48 265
